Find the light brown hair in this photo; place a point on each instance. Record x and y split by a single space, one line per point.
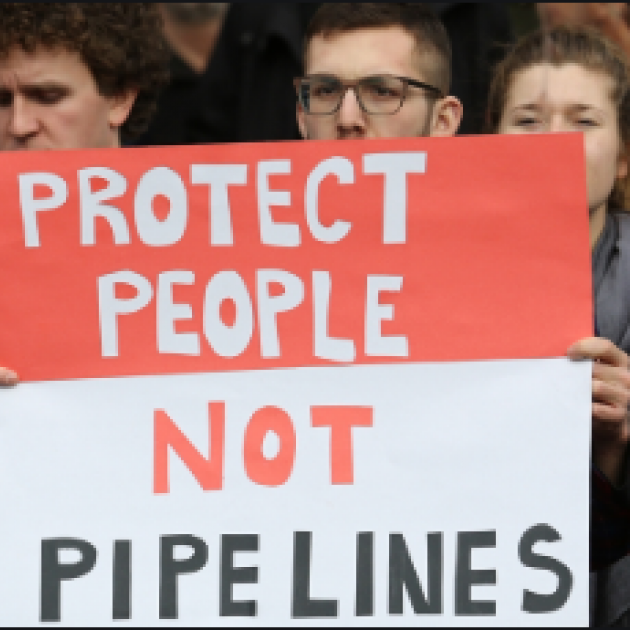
417 19
559 46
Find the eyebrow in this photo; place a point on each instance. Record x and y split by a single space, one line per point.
44 84
576 107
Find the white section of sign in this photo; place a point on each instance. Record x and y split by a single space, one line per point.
498 446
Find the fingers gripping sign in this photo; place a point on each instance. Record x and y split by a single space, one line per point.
8 378
611 401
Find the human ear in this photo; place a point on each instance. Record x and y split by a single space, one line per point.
120 108
301 121
447 116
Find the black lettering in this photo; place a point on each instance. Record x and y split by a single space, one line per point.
534 602
122 581
302 606
466 577
365 575
230 575
171 569
54 572
403 576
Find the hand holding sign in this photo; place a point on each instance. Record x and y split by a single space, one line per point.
611 398
8 378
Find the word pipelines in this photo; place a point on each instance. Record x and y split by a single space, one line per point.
402 575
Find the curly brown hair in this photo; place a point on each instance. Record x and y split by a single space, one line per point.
120 42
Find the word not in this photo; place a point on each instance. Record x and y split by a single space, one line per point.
402 576
272 472
167 183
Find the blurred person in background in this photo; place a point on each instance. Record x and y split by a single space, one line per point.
564 79
246 94
191 30
78 75
609 18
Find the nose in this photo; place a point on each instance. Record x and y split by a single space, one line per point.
23 122
558 124
350 117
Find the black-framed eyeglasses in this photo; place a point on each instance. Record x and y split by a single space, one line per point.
377 94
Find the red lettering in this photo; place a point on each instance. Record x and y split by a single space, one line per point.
341 421
269 472
208 472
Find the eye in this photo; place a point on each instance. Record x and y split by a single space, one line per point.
381 90
526 121
323 90
48 95
586 122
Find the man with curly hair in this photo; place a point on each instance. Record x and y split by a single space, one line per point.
78 75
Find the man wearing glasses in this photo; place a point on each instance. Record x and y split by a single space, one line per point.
376 71
382 70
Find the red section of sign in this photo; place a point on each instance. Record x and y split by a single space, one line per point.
496 263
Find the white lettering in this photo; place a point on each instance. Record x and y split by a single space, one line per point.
219 177
31 206
375 344
269 307
329 348
92 205
271 233
343 169
110 306
170 341
395 167
228 341
161 181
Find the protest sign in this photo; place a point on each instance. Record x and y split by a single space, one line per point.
296 383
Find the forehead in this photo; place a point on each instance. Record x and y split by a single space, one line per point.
353 54
58 65
568 84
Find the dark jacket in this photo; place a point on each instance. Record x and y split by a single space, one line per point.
247 92
610 589
169 124
480 33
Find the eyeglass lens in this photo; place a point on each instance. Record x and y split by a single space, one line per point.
377 95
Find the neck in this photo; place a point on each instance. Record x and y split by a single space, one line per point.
194 43
597 221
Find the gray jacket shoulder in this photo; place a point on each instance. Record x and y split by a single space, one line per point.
623 221
613 295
